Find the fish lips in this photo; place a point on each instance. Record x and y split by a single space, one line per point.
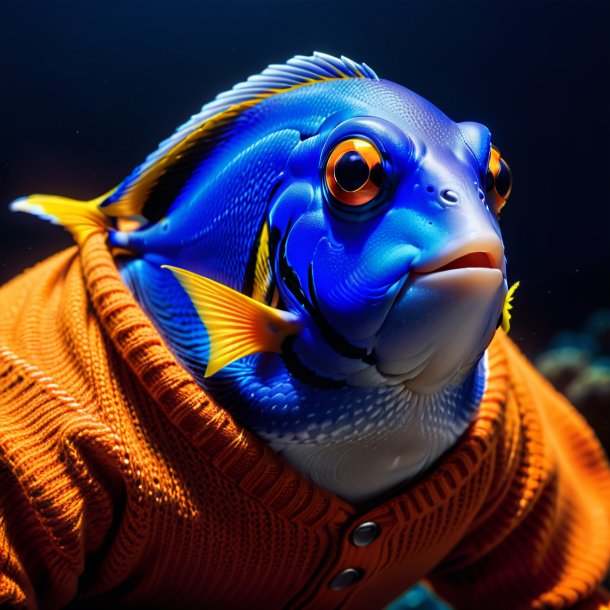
440 324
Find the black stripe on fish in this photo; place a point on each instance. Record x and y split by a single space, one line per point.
337 340
171 182
259 265
258 279
291 280
304 373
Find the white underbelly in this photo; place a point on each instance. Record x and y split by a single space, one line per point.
362 466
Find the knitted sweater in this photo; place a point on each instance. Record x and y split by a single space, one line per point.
122 482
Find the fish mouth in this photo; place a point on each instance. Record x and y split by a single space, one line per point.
472 260
468 267
476 252
443 317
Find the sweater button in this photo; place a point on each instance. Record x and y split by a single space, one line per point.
365 534
345 578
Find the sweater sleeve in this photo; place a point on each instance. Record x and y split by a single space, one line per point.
54 509
15 587
542 539
61 492
600 600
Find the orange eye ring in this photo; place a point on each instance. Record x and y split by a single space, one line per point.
354 171
498 181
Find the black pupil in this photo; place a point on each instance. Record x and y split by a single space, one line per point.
503 179
490 182
351 171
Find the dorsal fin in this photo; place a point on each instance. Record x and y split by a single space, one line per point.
151 188
153 185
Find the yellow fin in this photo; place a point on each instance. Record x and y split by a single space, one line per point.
236 324
262 268
506 315
81 218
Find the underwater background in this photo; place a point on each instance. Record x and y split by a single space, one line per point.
88 89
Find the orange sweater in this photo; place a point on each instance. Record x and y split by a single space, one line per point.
122 481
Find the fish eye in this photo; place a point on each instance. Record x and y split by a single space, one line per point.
498 181
354 172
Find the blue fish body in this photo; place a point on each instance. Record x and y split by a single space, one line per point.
397 296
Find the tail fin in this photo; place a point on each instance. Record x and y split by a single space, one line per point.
81 218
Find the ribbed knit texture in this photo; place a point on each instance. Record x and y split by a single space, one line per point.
122 482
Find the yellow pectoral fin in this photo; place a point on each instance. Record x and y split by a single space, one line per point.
236 324
81 218
506 315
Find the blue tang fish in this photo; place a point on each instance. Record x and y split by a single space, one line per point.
320 249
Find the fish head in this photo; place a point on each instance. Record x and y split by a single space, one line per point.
388 243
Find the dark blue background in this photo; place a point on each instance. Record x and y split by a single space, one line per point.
88 89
